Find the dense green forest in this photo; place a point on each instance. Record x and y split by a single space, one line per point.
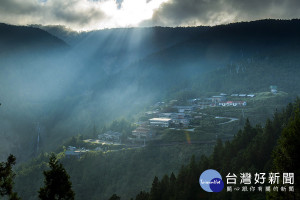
257 73
272 148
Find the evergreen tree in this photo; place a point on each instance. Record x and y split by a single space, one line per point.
172 184
155 192
6 178
142 196
164 187
94 133
114 197
57 183
217 155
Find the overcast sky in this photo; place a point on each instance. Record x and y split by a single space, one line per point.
99 14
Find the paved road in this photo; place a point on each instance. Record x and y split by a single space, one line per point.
232 119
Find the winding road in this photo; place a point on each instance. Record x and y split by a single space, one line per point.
232 119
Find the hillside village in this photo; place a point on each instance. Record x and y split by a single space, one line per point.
179 116
156 119
184 114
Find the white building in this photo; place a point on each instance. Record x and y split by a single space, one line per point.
161 122
233 103
110 136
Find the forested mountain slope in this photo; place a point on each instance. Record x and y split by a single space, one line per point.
254 149
109 74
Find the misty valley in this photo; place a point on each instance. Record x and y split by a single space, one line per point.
140 113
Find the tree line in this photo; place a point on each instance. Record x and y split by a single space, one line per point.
57 185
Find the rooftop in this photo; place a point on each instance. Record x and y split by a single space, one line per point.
160 119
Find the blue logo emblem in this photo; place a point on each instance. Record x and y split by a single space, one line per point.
211 181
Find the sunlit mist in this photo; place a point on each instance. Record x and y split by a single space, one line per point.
131 12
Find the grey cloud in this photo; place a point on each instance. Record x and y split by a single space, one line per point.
49 12
15 7
68 15
211 12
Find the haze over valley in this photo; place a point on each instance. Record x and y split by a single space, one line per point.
99 91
